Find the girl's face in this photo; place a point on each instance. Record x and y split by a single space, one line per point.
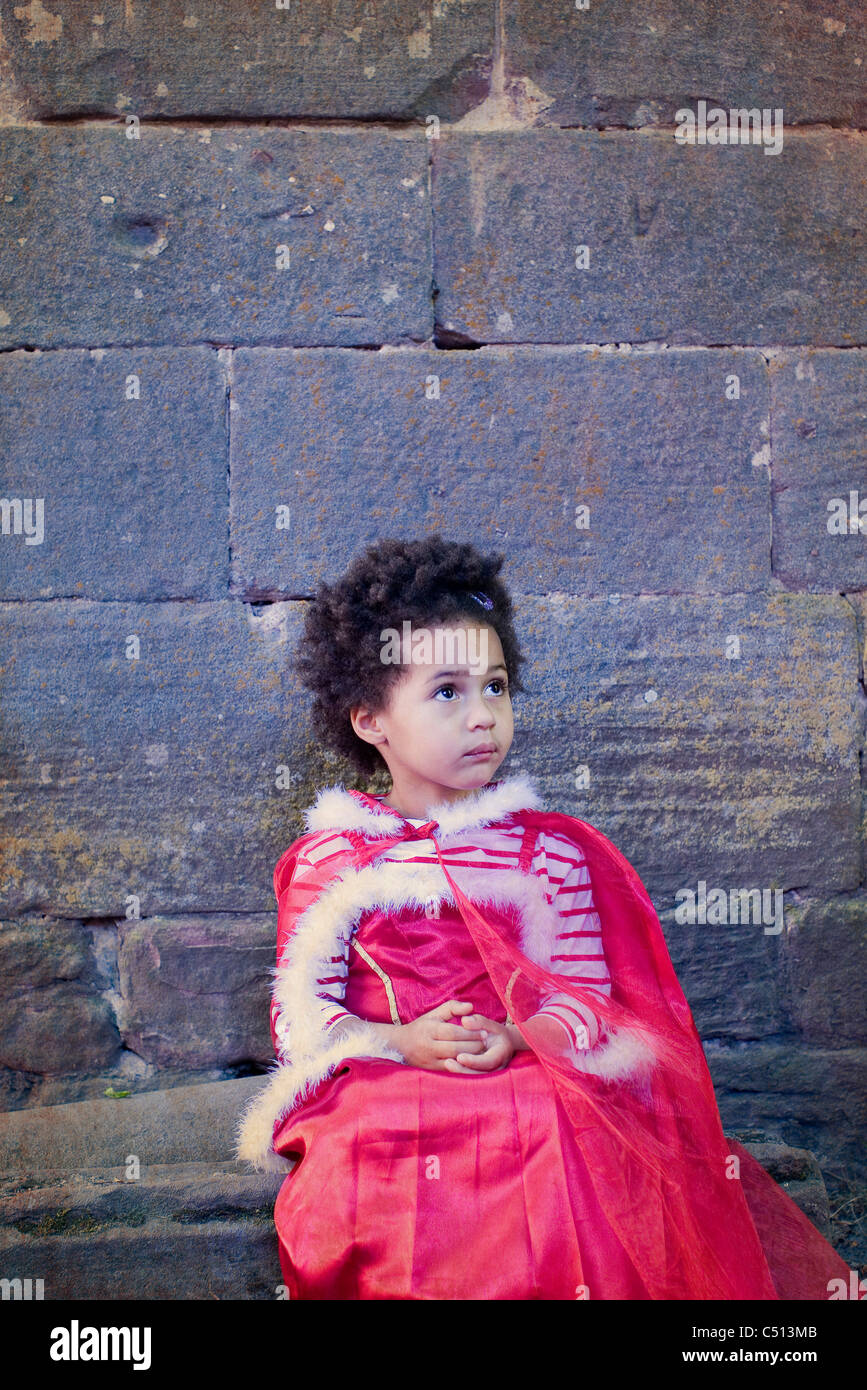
452 699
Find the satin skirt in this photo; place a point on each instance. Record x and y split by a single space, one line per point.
417 1184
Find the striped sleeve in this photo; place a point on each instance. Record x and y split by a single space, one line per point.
330 991
577 947
331 971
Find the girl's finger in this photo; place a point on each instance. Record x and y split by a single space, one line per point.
454 1033
474 1057
451 1049
451 1065
474 1063
467 1061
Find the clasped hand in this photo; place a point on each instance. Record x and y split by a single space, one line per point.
473 1045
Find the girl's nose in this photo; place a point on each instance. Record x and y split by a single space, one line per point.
482 714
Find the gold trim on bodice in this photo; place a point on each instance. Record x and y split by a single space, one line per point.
512 978
389 987
377 970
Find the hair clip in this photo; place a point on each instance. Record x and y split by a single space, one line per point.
482 598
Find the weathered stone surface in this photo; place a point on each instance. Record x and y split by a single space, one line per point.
618 65
195 991
187 1193
185 1230
687 244
730 974
132 492
57 1029
181 1124
825 969
818 413
859 604
701 785
38 950
674 473
156 778
21 1090
398 60
221 1259
166 782
175 237
53 1016
809 1097
393 58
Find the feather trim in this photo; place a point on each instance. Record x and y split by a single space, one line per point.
486 806
338 809
621 1054
287 1087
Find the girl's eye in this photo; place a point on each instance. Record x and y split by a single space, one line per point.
497 681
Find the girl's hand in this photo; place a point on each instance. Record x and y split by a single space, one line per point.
432 1042
498 1050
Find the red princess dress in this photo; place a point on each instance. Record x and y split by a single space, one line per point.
597 1170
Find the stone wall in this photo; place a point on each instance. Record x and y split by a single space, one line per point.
281 280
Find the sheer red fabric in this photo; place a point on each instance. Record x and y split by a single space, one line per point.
691 1207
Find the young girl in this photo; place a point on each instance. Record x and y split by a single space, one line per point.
488 1080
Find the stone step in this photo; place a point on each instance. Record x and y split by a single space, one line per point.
180 1231
231 1260
194 1223
180 1192
183 1124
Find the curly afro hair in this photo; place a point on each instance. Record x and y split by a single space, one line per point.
426 582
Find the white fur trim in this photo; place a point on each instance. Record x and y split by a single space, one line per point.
287 1087
325 929
621 1054
337 809
487 806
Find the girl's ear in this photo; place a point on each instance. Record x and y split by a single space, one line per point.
366 725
